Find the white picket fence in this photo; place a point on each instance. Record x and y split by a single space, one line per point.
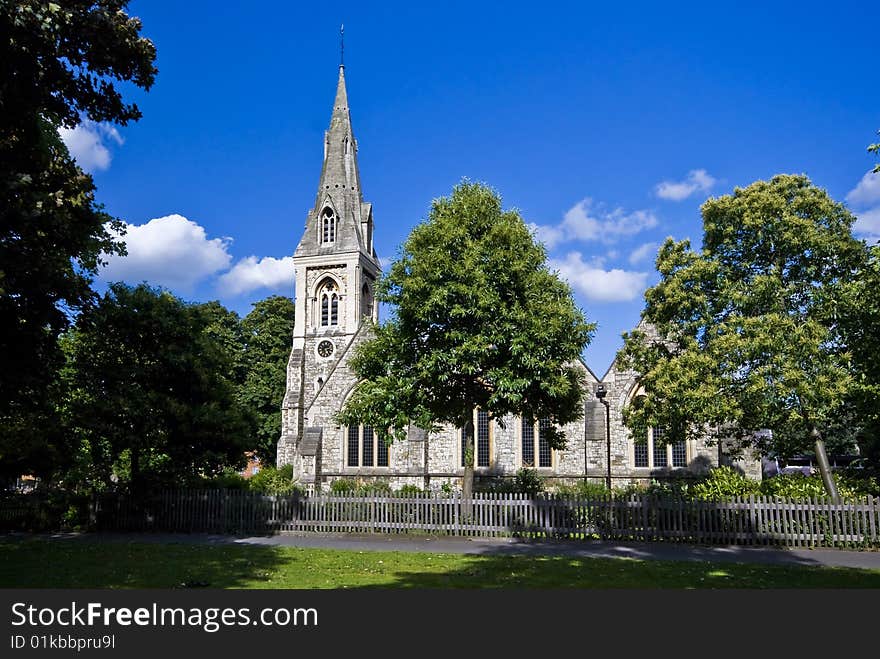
753 520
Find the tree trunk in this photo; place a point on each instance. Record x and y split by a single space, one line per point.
824 467
467 480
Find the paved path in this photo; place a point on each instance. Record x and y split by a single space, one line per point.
509 546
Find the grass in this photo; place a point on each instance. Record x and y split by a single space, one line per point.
79 563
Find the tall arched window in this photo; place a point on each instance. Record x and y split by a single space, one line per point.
366 301
328 225
328 294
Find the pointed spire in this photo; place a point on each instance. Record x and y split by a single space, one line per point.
341 44
340 161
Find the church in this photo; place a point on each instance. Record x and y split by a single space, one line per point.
336 269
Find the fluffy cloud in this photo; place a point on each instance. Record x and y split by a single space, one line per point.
867 225
169 251
697 180
867 192
87 144
596 283
643 253
586 221
251 273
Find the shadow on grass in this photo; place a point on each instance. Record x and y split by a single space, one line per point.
220 561
78 562
546 572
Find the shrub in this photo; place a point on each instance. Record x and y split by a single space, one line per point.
583 490
724 483
800 486
528 482
274 481
359 487
343 486
676 488
228 480
408 490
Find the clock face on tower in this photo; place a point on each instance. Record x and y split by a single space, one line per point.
325 348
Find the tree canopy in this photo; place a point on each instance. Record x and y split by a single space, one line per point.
749 326
59 64
478 321
266 335
151 389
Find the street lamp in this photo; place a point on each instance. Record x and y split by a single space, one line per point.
601 392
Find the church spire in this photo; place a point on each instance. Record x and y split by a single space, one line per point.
340 220
340 170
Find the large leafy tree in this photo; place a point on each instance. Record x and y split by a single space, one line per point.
59 63
861 325
749 326
151 391
266 333
478 322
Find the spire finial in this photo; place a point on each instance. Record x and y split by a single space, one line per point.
342 45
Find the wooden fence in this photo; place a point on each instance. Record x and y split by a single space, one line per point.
754 520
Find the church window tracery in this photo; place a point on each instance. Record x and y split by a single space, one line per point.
328 225
328 294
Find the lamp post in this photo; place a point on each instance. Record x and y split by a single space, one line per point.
601 392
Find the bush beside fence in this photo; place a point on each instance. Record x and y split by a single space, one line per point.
752 520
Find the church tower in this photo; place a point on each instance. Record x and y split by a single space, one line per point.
336 269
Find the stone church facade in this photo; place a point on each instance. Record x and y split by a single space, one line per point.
336 269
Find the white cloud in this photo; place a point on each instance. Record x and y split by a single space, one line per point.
867 192
697 180
586 221
251 273
169 251
595 283
87 144
867 225
549 235
643 253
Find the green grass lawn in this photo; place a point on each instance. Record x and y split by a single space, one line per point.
79 563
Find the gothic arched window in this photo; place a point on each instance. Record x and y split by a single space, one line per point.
366 301
328 294
328 225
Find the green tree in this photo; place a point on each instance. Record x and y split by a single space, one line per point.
150 390
59 63
749 332
478 322
266 332
861 326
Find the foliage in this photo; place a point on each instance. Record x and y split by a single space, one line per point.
59 63
800 486
478 322
228 479
582 490
528 481
723 483
747 336
359 487
150 392
861 330
266 333
270 480
409 490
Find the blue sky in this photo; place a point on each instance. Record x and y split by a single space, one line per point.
606 126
